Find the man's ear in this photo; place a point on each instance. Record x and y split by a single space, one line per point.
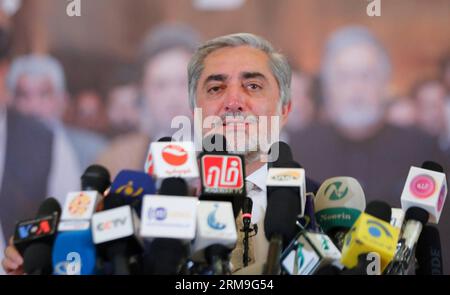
285 111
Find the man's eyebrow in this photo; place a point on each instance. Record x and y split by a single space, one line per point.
216 77
250 75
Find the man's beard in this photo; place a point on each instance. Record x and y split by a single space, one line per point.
240 131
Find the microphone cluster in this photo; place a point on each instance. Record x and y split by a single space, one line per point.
180 214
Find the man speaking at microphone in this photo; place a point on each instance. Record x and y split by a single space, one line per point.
240 79
237 79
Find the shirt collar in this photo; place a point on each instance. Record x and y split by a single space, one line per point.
258 177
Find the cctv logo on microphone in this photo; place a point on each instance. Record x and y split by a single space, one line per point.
113 224
222 174
173 159
422 186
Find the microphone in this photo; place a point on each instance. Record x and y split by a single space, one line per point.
310 253
285 201
132 186
371 232
77 246
174 159
74 238
426 189
148 166
166 256
115 233
34 238
78 210
415 218
95 178
246 221
222 174
338 204
216 235
429 253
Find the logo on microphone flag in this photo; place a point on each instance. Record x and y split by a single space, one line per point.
222 174
174 155
422 186
336 191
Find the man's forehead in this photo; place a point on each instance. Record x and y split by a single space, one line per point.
236 61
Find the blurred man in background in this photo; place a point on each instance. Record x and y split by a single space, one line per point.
38 87
122 103
303 104
357 141
164 90
430 101
28 163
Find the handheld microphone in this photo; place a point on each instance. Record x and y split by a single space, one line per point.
115 233
95 178
426 189
284 203
371 233
338 204
216 235
415 218
148 166
132 186
74 253
34 238
166 256
429 252
309 253
222 174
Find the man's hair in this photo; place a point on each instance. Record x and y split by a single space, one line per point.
277 62
165 37
348 37
37 65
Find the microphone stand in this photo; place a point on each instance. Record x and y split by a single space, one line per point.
247 230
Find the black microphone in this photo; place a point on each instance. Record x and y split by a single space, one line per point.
34 238
429 252
283 207
166 256
115 233
97 178
246 220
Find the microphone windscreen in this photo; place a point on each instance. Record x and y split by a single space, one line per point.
173 186
165 139
113 201
38 259
429 252
433 166
48 207
280 155
95 177
283 207
416 213
380 209
165 257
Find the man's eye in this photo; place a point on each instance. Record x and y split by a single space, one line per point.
214 89
253 86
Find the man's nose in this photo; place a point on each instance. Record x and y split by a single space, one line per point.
234 100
